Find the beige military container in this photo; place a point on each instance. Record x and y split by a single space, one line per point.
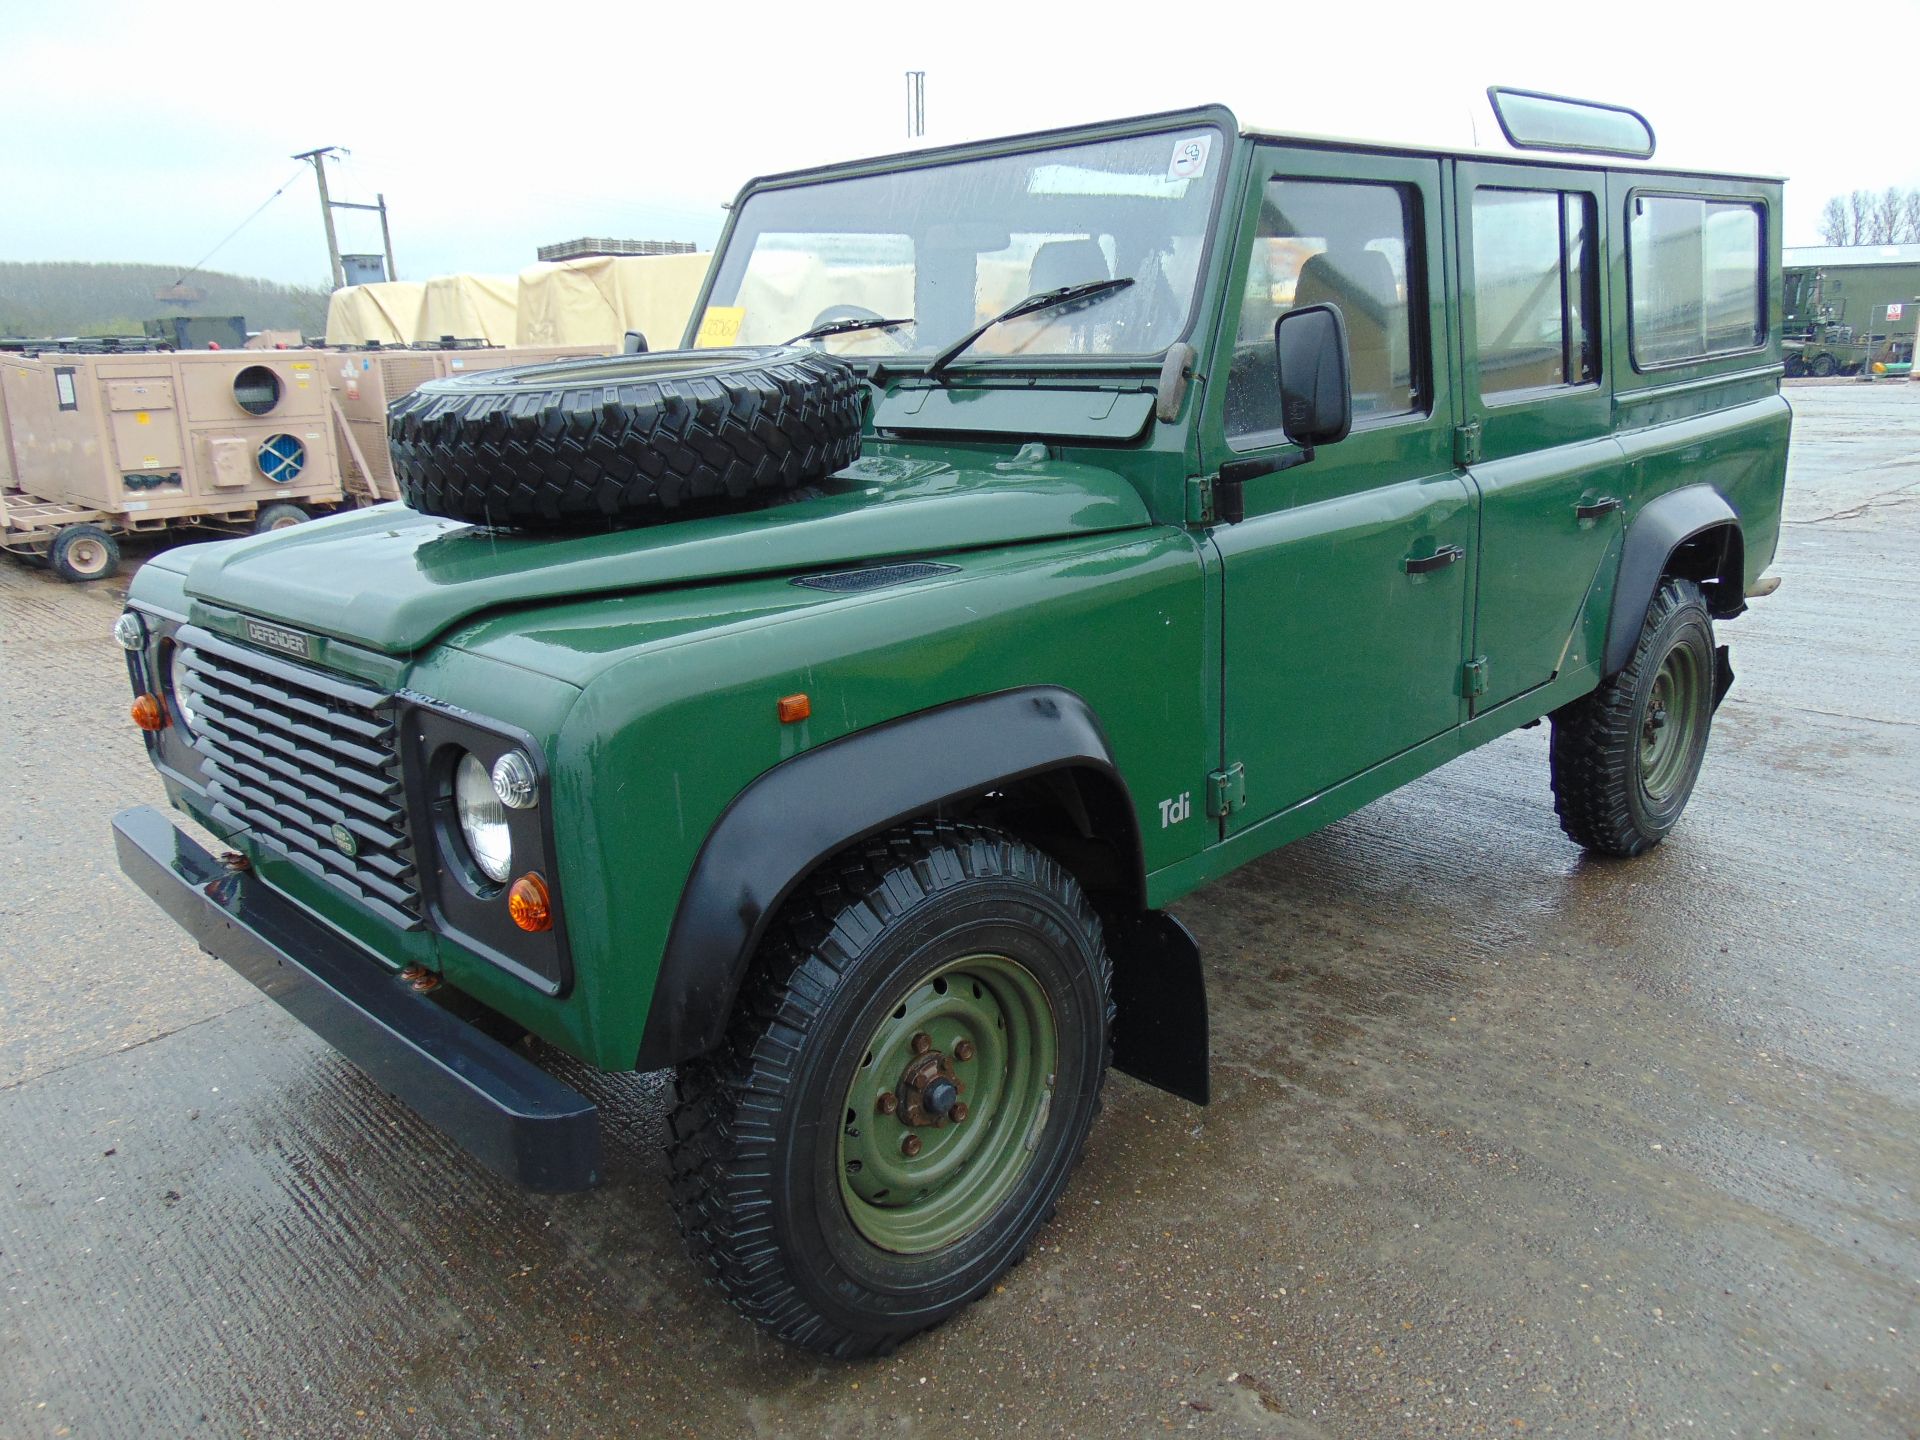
151 439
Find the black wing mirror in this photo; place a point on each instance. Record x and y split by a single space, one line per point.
1316 399
1316 391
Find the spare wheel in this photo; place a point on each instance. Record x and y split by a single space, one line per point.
624 439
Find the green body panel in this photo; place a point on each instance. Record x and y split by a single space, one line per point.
645 665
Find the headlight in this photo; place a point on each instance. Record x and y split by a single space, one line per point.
483 819
130 630
178 682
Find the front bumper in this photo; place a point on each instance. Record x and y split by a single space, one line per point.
508 1112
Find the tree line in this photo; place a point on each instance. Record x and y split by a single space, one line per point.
1891 217
58 297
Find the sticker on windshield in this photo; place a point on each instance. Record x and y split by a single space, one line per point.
1189 157
720 326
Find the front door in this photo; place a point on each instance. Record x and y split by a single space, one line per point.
1346 588
1549 474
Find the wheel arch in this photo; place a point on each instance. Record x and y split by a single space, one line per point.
1032 759
1692 533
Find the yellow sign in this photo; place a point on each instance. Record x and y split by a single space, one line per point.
719 326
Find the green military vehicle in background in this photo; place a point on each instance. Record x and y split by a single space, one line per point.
1847 307
1034 531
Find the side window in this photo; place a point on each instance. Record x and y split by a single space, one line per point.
1353 244
1535 289
1694 275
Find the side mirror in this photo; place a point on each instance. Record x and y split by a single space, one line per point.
1316 391
1316 400
634 343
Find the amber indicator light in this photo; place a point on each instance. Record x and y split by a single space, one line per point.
529 903
149 713
794 709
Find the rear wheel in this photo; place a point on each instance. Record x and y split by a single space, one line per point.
908 1081
1625 758
84 552
1821 366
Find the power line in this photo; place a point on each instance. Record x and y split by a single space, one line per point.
195 267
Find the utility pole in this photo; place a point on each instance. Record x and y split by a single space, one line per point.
328 205
318 158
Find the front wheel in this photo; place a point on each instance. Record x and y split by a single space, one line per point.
909 1078
1626 756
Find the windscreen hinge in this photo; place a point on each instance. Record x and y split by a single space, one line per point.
1226 791
1466 443
1200 500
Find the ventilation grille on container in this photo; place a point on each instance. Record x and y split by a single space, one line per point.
875 576
303 759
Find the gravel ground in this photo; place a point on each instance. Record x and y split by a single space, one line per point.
1505 1141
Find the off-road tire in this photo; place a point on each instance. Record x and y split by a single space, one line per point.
1822 366
84 553
754 1141
624 439
1599 788
280 515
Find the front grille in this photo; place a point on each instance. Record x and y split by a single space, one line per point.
292 753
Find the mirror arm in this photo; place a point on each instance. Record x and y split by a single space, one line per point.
1229 491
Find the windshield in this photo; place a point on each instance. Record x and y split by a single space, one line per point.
953 245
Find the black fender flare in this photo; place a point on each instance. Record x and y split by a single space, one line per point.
1662 526
807 808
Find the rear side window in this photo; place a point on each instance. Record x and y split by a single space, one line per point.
1353 244
1694 275
1535 289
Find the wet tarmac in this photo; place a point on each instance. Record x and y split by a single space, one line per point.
1505 1140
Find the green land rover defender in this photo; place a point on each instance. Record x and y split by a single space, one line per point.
1031 532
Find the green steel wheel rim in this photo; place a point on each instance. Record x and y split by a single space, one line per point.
1670 724
988 1019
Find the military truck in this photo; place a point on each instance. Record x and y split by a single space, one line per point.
1032 532
1848 307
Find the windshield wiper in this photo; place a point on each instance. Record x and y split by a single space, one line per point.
849 327
1085 291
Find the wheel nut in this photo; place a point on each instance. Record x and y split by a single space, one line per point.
959 1112
910 1146
964 1050
922 1043
887 1103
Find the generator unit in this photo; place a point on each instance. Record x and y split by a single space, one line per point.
173 434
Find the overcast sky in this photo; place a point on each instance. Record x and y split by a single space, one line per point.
146 132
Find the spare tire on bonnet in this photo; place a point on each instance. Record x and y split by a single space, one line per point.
624 438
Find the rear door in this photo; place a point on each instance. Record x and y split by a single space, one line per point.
1346 586
1550 477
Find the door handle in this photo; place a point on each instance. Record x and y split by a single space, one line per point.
1594 509
1439 560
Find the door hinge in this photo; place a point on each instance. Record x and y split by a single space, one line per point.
1200 500
1226 791
1474 677
1466 443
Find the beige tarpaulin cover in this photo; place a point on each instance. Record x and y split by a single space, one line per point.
468 307
597 300
386 312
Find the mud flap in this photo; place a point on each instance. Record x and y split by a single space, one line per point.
1160 1004
1722 675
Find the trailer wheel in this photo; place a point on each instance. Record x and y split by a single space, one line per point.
278 516
1821 366
84 552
